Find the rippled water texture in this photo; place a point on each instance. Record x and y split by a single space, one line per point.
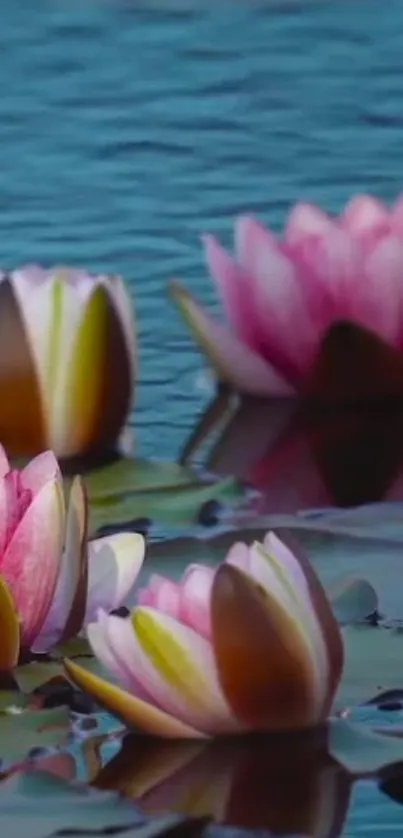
128 129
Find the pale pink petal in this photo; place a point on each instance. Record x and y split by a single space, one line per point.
70 570
233 362
236 291
286 329
4 464
113 642
195 594
305 221
177 667
366 218
114 563
238 555
97 635
397 217
31 562
379 298
42 468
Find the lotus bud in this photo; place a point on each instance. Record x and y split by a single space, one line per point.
67 368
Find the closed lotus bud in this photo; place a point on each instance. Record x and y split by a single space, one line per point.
67 361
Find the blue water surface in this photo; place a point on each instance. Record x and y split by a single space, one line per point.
127 129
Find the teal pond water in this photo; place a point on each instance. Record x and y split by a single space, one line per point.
127 130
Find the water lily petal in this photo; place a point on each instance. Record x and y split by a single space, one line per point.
280 301
114 563
4 464
97 395
131 710
195 595
22 417
239 556
123 646
306 221
232 360
367 217
31 562
176 666
263 661
9 630
66 615
329 626
39 470
97 635
235 288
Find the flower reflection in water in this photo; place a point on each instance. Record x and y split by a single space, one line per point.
340 444
286 784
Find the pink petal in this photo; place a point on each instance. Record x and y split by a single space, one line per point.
238 555
185 683
366 218
4 464
42 468
379 298
114 643
31 562
114 563
195 593
232 360
397 217
280 301
305 221
235 288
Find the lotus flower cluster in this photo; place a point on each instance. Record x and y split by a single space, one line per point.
282 296
67 344
52 581
250 646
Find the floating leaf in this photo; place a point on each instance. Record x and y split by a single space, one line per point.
176 506
11 699
20 732
32 676
360 750
37 804
373 664
353 599
127 476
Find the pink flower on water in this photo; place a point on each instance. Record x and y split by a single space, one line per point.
52 581
252 645
281 296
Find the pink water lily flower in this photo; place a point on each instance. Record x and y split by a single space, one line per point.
252 645
281 295
52 580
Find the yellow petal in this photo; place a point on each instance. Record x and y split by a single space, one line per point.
9 630
130 710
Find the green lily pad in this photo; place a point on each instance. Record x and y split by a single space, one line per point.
38 804
127 476
22 731
10 699
373 664
361 751
352 599
177 506
32 676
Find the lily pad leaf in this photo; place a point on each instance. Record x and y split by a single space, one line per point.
20 732
38 804
373 664
353 599
361 751
176 506
32 676
127 476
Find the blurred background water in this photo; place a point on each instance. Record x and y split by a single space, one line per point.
127 129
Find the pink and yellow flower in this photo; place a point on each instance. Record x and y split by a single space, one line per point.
52 581
281 296
68 358
250 646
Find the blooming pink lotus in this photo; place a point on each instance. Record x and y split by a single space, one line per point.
252 645
52 581
282 296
